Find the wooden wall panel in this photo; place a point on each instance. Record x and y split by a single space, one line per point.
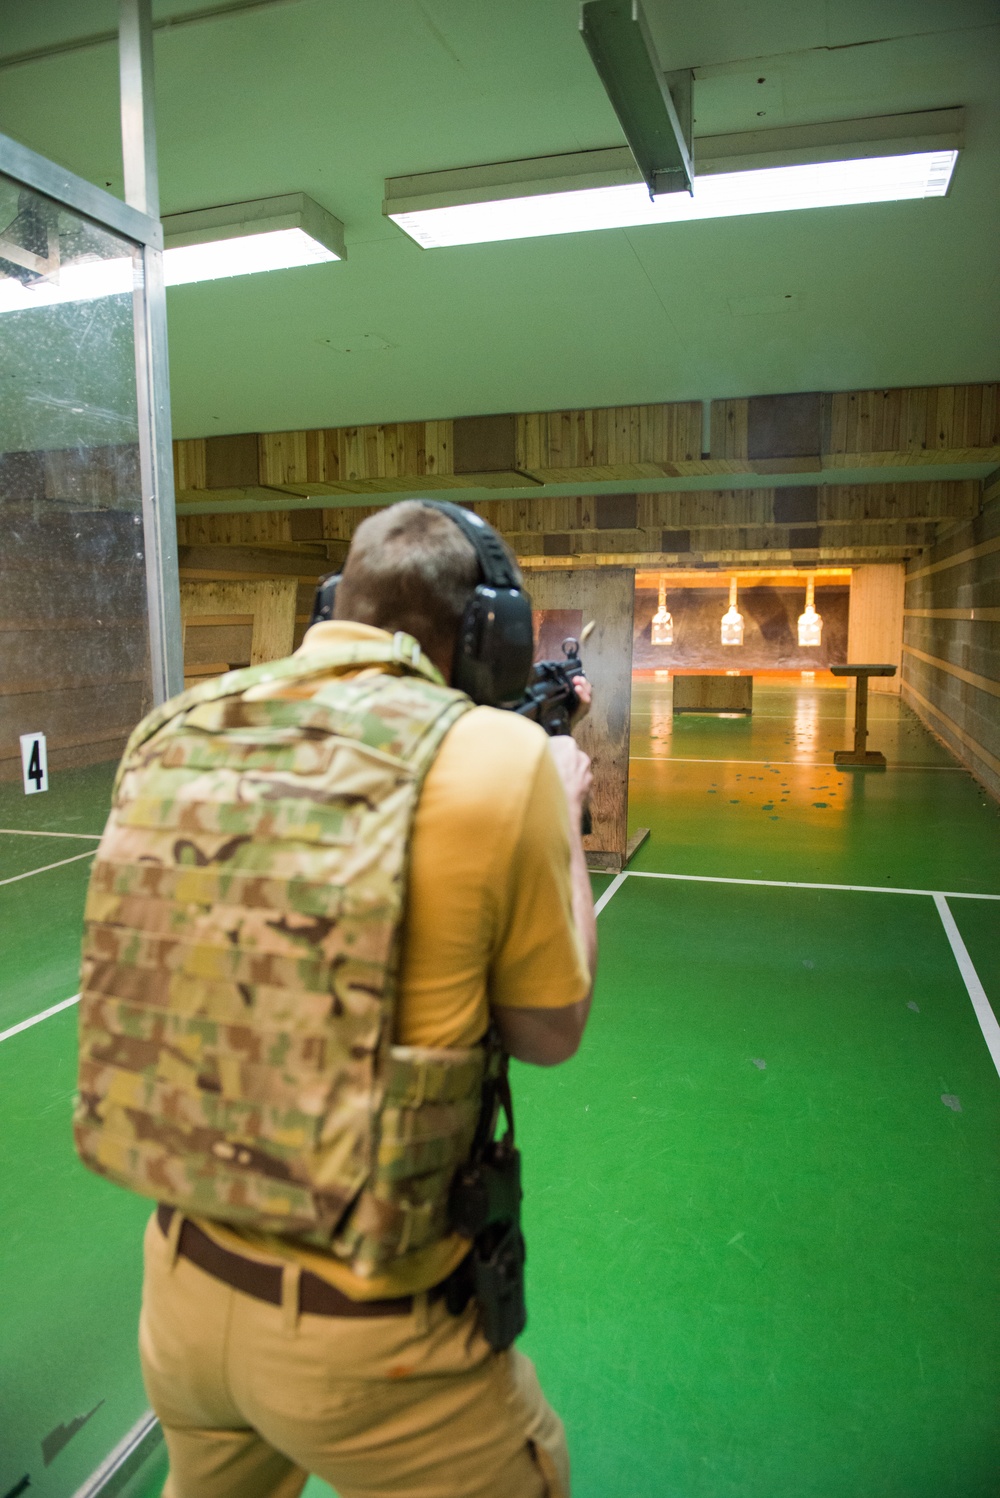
615 442
833 504
797 432
936 423
189 464
262 529
858 428
354 460
875 630
606 596
270 603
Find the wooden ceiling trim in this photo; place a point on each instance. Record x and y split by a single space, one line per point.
806 433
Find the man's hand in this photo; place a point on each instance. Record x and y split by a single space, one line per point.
574 771
585 695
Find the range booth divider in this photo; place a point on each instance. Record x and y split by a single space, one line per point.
564 602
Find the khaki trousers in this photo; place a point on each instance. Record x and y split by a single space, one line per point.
253 1397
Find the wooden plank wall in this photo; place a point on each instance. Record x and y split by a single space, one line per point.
606 596
875 624
248 548
838 520
951 643
803 433
263 610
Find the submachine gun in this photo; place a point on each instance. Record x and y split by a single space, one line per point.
550 698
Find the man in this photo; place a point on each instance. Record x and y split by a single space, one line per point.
395 1395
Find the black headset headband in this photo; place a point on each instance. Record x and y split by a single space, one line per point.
495 640
494 563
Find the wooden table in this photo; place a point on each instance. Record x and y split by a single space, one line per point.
860 758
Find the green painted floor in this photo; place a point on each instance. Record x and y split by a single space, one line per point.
761 1246
760 798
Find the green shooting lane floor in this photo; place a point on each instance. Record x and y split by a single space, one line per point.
760 797
760 1202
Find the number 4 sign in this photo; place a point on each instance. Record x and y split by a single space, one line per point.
34 763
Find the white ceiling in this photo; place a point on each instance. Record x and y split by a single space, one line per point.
331 96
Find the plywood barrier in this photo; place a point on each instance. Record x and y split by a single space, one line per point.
606 596
244 623
875 626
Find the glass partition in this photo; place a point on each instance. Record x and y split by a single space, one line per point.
75 677
74 664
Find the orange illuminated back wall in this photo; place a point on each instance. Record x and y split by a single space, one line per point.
770 635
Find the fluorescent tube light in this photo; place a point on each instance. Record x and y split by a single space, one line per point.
281 249
241 239
825 184
82 281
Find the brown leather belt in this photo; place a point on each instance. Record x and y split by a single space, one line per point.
317 1297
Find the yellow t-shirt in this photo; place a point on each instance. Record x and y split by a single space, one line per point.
489 919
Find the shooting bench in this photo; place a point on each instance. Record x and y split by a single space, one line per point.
860 758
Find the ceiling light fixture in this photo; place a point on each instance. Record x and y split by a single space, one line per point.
209 244
663 624
732 619
767 171
243 239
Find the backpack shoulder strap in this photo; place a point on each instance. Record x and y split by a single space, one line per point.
402 651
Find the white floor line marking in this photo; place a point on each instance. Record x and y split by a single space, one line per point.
36 1019
90 853
862 889
977 993
90 837
611 890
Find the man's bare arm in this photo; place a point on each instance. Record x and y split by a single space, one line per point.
545 1037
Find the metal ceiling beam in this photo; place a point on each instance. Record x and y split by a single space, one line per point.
654 109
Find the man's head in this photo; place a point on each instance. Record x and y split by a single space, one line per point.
410 568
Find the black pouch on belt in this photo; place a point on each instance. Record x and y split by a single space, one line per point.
498 1284
485 1206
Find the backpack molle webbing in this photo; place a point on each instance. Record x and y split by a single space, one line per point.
241 958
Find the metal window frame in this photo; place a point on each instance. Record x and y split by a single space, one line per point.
137 221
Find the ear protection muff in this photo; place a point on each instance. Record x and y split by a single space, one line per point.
495 645
322 609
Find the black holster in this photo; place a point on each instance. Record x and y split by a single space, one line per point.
485 1205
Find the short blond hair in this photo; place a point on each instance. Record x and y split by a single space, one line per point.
409 568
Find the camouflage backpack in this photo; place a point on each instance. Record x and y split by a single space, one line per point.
241 958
